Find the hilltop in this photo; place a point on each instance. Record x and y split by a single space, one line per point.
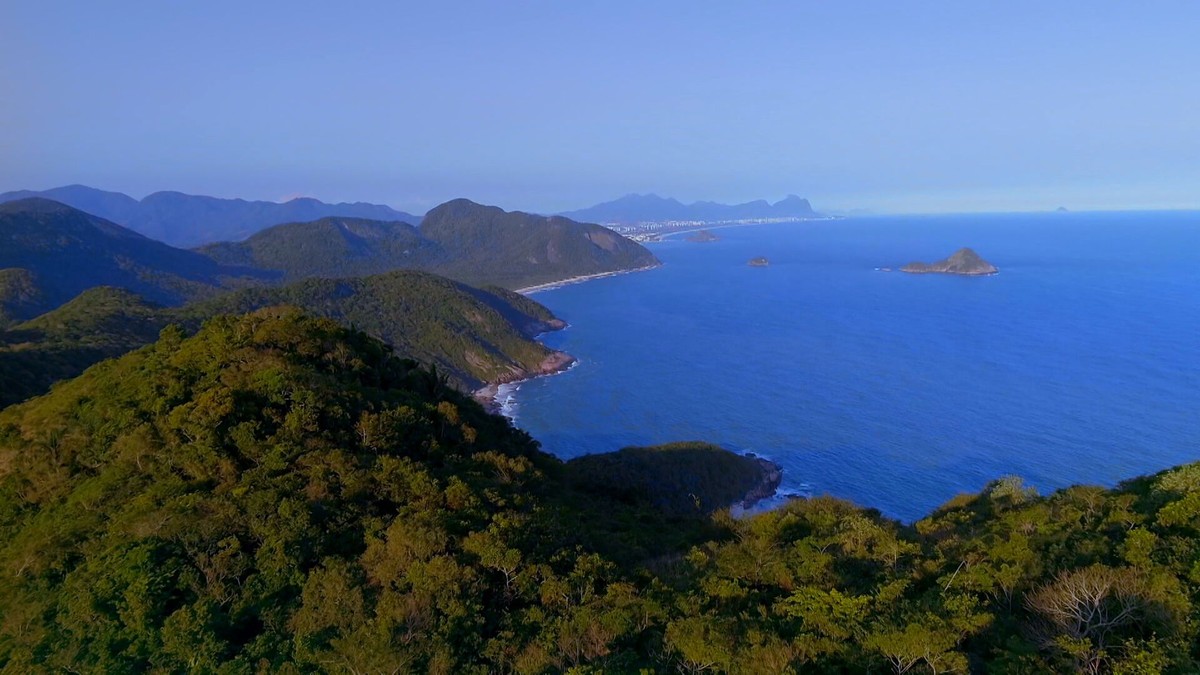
331 247
476 244
57 251
100 323
190 220
513 249
281 493
652 208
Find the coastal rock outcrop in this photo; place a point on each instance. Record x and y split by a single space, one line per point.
758 262
770 476
685 478
964 261
702 237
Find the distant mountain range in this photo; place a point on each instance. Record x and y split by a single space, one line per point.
52 252
477 244
652 208
190 220
76 288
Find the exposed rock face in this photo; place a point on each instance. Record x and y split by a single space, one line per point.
964 261
771 477
758 262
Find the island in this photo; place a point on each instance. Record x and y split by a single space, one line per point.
702 237
758 262
964 261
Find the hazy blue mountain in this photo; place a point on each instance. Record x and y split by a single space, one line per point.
64 251
477 244
115 206
650 208
190 220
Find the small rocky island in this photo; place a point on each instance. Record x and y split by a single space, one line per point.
703 236
964 261
758 262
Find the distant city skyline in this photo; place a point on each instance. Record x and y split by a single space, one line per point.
548 107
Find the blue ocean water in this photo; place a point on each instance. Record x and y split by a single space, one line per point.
1078 363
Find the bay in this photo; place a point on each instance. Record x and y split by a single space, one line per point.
1078 363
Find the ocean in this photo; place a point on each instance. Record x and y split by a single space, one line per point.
1078 363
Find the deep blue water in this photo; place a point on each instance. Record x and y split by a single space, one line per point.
1078 363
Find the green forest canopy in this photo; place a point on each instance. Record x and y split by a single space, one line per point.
279 493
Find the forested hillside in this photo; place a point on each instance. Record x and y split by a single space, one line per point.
100 323
473 243
473 336
63 252
279 493
516 250
332 247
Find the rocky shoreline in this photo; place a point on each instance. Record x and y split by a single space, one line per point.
553 364
963 262
770 478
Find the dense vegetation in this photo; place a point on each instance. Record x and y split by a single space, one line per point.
19 295
515 250
280 494
101 323
683 477
67 252
53 252
472 336
477 244
332 247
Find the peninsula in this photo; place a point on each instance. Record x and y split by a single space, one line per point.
964 261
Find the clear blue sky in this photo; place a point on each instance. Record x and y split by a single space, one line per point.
893 106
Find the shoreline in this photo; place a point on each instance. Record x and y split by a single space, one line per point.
557 362
770 479
488 395
721 226
537 288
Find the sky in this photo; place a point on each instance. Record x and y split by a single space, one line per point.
550 106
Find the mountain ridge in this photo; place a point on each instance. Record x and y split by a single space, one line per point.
634 208
474 243
66 251
187 220
474 337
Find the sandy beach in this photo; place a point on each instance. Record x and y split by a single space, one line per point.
528 290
